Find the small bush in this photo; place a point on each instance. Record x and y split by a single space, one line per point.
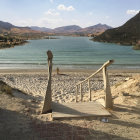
4 88
136 47
118 84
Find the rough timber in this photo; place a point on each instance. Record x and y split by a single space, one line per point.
80 109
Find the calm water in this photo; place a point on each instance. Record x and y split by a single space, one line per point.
69 52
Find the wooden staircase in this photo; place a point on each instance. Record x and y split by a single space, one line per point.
78 109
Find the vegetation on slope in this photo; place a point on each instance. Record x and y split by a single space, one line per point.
4 88
137 46
10 41
128 34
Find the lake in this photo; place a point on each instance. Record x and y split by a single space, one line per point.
69 53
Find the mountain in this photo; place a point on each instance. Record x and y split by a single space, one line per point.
67 29
96 29
9 28
42 29
24 32
74 29
64 30
5 26
127 34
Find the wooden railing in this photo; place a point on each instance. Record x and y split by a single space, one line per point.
108 97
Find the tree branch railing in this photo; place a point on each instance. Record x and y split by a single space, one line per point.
47 107
108 97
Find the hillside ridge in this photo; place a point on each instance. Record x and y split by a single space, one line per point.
127 34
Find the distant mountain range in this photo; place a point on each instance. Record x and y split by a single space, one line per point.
41 29
9 30
64 30
96 29
127 34
74 29
6 27
67 29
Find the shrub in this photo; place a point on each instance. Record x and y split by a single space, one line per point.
137 47
4 88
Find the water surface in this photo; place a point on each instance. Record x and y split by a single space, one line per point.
69 52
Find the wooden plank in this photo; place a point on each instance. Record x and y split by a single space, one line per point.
81 109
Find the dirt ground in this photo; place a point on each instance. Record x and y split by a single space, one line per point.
20 118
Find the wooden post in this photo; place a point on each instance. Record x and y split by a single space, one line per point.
81 92
76 93
47 108
108 97
89 89
57 71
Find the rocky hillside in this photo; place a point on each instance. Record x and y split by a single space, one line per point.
127 34
42 29
6 27
67 29
75 30
96 29
25 33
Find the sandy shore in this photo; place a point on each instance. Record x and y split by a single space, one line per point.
34 82
28 100
67 70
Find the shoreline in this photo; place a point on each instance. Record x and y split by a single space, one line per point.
67 70
34 82
12 44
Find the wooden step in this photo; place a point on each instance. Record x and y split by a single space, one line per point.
80 109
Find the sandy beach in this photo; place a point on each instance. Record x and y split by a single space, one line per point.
28 92
34 83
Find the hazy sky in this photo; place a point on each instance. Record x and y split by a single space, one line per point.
55 13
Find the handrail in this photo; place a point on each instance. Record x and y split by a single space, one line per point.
109 62
108 97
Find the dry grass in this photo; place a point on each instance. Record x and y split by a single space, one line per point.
4 88
118 84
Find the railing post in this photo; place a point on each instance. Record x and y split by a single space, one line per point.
81 91
108 97
76 93
47 108
89 90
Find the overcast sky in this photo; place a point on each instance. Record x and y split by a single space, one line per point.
56 13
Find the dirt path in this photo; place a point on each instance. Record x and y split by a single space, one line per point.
14 121
16 124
